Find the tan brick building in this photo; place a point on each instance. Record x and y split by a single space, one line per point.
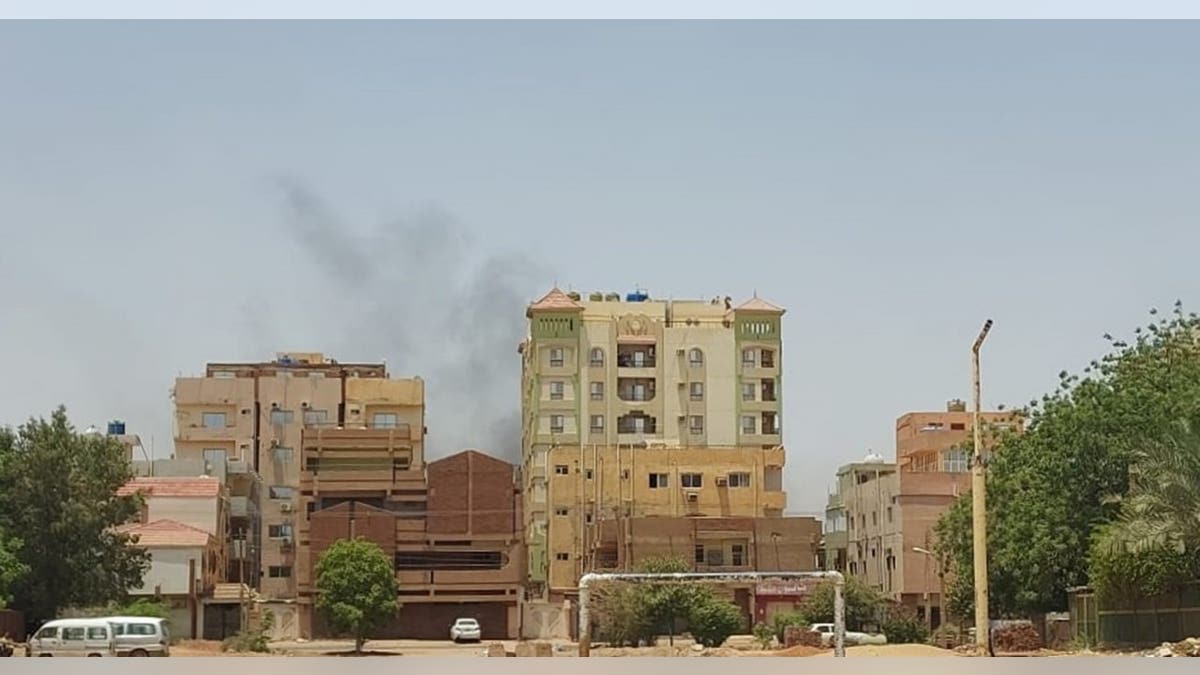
880 517
250 417
452 526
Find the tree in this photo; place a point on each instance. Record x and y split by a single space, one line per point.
666 603
12 569
1052 489
862 604
711 621
58 497
356 588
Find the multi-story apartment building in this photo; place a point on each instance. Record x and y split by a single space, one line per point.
879 521
250 417
641 408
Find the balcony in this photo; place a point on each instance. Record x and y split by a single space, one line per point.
637 423
636 356
636 389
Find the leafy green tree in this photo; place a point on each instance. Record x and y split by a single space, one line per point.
711 621
58 496
12 569
863 604
667 603
356 588
1052 489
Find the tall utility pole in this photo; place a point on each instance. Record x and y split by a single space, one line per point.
979 506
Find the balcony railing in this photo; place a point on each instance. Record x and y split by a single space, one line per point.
631 361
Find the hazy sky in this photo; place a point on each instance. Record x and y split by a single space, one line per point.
172 194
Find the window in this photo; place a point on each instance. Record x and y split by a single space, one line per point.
696 424
587 474
691 480
281 492
597 424
748 358
384 420
97 633
737 555
749 424
768 358
768 390
280 531
556 424
697 391
714 556
214 457
739 480
695 358
279 416
658 480
874 517
279 571
587 518
561 511
862 520
561 470
210 420
698 554
958 426
596 360
556 357
282 455
889 514
47 633
562 556
769 425
73 632
955 461
556 391
748 391
597 391
315 416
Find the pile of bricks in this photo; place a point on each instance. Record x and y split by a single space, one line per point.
800 635
1017 637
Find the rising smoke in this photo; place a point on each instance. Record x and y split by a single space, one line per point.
415 291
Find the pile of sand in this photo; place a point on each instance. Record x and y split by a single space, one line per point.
799 650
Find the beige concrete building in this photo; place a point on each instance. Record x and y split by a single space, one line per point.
251 417
644 408
879 520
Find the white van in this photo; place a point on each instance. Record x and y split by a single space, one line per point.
141 635
74 637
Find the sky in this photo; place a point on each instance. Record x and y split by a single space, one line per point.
178 193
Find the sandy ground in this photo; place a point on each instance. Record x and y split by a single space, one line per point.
893 650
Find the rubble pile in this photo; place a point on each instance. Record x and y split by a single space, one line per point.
1188 647
1014 638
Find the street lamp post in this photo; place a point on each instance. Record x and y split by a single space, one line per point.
979 505
928 596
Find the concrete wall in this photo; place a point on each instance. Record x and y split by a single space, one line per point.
169 570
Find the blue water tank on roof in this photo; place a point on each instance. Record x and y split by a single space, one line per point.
116 428
637 296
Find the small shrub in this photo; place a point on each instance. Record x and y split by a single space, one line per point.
712 621
901 626
764 634
780 622
251 638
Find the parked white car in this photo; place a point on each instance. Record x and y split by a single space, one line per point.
141 636
466 630
852 637
74 637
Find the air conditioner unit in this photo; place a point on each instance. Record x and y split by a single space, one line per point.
680 352
274 405
722 481
304 404
693 497
285 507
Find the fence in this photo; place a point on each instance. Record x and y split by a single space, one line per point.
1170 617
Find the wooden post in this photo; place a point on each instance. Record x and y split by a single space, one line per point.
192 594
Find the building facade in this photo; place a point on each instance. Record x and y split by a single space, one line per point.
879 520
639 408
452 527
250 417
